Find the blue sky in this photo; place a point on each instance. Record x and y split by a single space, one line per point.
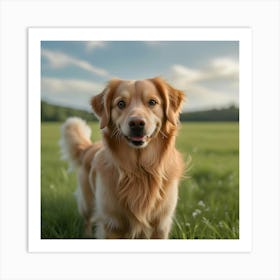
207 71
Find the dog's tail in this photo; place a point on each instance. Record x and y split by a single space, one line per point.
75 138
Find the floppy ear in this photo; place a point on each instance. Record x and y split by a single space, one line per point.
173 99
99 108
101 103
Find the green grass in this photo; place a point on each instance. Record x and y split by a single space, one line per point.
208 206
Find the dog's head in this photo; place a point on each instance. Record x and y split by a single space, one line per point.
138 110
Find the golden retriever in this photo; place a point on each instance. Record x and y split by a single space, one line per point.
128 182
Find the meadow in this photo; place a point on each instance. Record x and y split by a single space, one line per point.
208 205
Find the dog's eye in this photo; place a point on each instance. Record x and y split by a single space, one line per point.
152 102
121 104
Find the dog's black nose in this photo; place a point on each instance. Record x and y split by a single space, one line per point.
136 123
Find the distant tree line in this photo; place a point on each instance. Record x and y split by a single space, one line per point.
230 114
54 113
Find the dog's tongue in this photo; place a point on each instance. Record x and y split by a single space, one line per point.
137 138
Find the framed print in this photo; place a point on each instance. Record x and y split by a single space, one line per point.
222 56
213 67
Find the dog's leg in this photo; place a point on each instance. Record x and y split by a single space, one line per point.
103 232
163 220
162 228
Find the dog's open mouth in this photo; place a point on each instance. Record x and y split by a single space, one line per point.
137 140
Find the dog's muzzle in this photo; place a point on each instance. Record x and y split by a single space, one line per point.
137 135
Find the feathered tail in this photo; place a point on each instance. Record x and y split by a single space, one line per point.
75 138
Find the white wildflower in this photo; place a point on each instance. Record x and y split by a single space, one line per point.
196 213
201 204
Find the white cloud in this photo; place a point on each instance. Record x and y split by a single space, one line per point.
91 45
67 85
182 76
200 96
224 68
69 92
61 60
218 69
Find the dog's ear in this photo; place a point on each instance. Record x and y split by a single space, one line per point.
100 109
173 99
101 103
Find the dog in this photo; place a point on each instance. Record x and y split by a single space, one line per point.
128 182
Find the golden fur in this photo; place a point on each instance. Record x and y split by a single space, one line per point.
128 185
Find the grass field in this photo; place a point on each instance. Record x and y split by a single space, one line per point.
208 206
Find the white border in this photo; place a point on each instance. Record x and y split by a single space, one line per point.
243 35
